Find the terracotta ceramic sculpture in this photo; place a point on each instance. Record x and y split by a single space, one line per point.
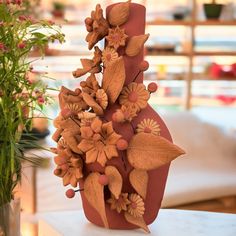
109 140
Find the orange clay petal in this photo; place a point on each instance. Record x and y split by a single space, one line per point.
113 138
107 128
86 132
111 151
85 145
91 155
96 125
102 159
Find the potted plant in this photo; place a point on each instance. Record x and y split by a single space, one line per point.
212 10
19 98
58 10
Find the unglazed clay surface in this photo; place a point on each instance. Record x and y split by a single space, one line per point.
110 140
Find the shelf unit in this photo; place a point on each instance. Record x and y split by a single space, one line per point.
190 55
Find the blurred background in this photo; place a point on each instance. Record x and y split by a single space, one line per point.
192 56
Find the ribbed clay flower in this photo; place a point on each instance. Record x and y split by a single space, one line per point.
136 207
86 118
116 37
149 126
99 142
109 55
135 96
101 98
119 204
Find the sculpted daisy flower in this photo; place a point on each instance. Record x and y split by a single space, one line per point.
149 126
135 96
109 55
119 204
116 37
99 142
136 206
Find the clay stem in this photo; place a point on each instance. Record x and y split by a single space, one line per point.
74 121
122 157
137 75
79 190
132 127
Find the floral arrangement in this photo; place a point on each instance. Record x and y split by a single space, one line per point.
19 94
89 144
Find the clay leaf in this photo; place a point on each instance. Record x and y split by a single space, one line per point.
147 151
139 181
114 78
93 192
114 181
135 45
119 14
139 221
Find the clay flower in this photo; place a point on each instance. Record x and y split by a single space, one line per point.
119 204
149 126
97 56
74 108
90 86
116 37
136 206
69 167
109 55
134 95
99 142
97 26
67 96
101 98
124 114
86 118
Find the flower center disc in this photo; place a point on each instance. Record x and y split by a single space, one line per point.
147 130
133 97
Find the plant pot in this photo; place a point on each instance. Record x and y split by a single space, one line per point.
157 177
10 219
213 10
58 13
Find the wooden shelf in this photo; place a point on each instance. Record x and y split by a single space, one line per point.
219 53
169 54
192 23
170 22
215 23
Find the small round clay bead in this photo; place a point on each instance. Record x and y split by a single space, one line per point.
103 180
70 193
122 144
152 87
143 66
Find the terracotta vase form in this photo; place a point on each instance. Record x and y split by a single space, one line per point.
125 191
157 178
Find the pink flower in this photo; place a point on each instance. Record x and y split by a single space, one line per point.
17 2
2 47
23 18
21 45
40 100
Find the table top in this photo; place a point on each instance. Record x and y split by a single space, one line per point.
169 223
